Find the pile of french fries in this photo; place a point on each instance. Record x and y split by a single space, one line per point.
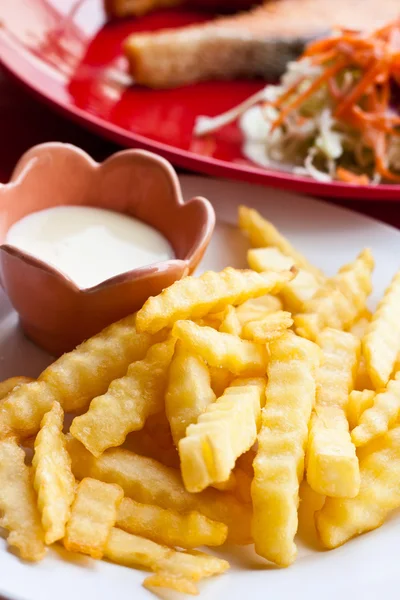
201 420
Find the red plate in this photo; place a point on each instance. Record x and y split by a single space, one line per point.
66 53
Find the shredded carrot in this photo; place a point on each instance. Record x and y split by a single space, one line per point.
366 107
349 177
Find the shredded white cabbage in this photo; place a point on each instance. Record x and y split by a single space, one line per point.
310 141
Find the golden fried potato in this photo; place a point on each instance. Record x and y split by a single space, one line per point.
257 308
269 328
231 323
23 408
339 301
20 515
359 327
222 433
189 391
294 293
131 550
240 357
195 297
172 582
187 530
363 380
341 519
220 379
93 515
381 343
279 463
9 384
382 415
79 376
332 464
262 234
310 503
53 478
358 403
127 403
150 482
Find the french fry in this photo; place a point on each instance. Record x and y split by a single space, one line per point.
172 582
53 478
339 301
172 566
279 463
9 384
269 328
310 503
359 327
150 482
294 293
188 530
220 379
79 376
189 391
241 357
231 323
382 415
127 403
341 519
93 515
381 343
257 308
332 464
195 297
22 410
363 380
359 402
262 233
20 515
222 433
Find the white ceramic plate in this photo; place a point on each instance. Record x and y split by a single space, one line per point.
364 568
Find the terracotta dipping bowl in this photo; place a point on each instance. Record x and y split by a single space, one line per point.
53 311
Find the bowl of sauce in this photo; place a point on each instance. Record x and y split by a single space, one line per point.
84 244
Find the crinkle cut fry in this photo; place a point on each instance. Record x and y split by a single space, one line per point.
20 515
343 518
129 401
187 530
263 234
381 416
22 410
339 301
227 429
195 297
240 357
86 372
279 463
189 390
381 343
93 515
53 478
332 464
269 328
149 482
294 293
131 551
359 401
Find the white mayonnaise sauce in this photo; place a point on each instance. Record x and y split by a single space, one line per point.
89 245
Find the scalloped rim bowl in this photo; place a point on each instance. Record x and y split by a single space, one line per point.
54 312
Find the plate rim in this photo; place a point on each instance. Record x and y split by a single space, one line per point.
17 62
